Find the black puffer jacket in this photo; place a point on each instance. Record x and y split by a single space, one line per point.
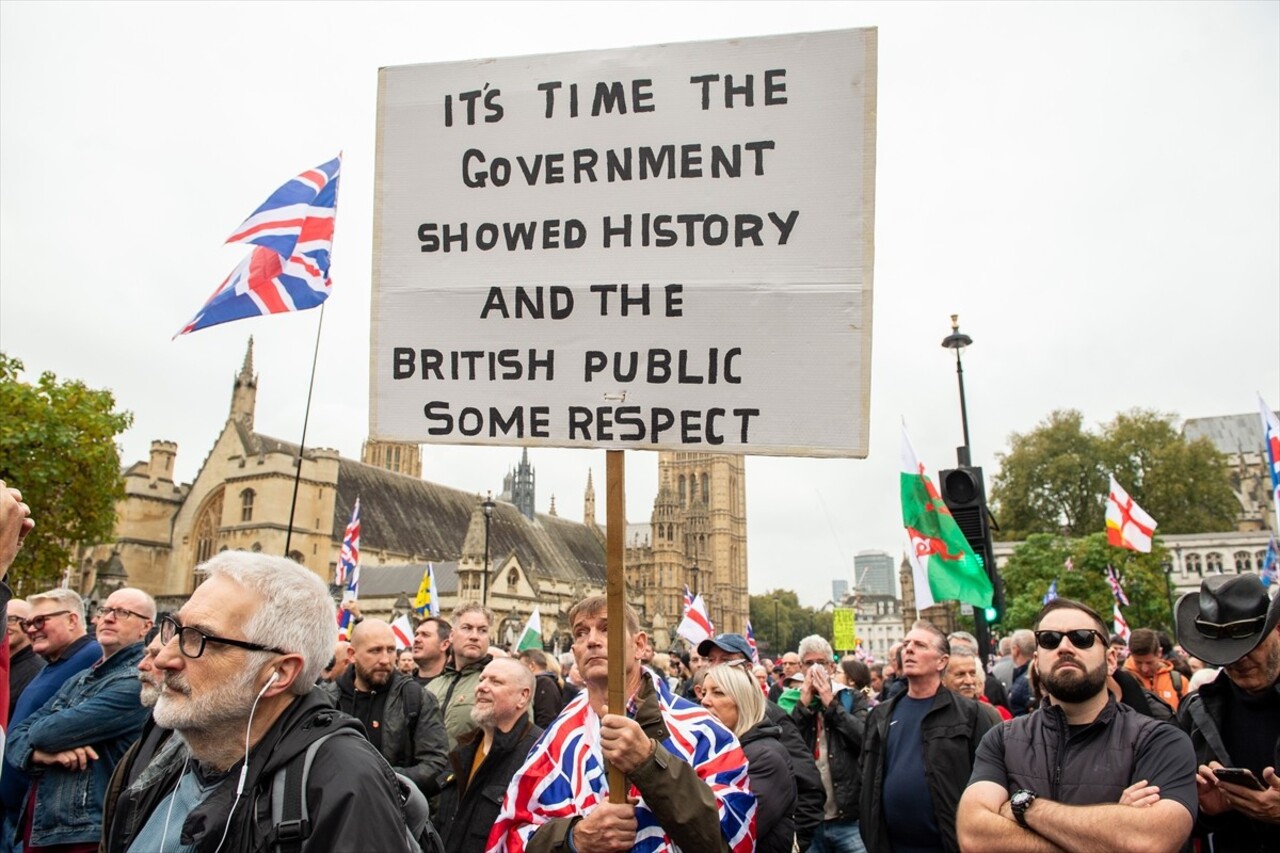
774 785
469 808
845 731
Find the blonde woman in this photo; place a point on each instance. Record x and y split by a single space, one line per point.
732 695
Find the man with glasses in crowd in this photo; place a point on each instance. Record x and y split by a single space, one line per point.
236 670
56 629
71 745
1081 771
24 663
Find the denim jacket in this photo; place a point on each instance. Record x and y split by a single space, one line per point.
98 708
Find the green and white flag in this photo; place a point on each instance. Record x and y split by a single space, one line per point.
532 636
942 563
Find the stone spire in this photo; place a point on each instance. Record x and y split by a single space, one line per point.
589 502
244 394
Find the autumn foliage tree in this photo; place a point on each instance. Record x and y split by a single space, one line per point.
57 444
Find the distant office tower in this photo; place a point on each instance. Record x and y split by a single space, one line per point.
839 589
873 573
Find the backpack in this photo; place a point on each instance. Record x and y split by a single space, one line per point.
1160 709
289 804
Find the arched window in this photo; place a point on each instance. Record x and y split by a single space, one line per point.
682 495
1244 561
1213 563
246 505
297 557
257 548
706 492
1194 564
208 520
513 579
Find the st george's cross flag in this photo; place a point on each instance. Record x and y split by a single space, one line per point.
1128 525
943 565
288 269
1118 624
696 625
402 630
564 776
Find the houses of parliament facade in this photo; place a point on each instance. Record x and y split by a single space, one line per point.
241 499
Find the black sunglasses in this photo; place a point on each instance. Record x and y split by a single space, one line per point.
1081 638
1236 630
191 641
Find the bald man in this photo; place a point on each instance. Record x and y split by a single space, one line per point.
400 717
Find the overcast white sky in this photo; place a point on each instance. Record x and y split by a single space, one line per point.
1093 187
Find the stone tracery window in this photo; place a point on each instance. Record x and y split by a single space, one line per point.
208 520
246 505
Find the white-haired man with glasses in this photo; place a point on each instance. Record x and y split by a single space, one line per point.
71 745
1081 771
236 669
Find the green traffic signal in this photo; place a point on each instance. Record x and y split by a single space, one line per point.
991 614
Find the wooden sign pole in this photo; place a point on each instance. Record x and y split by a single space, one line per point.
616 591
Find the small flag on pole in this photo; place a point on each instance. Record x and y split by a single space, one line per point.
1069 565
427 603
1269 562
1052 593
402 629
751 643
1113 581
532 636
1128 525
1121 627
1271 439
943 565
696 625
288 269
348 573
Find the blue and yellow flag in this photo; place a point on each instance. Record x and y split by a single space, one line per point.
428 601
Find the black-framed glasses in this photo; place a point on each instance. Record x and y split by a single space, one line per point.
1081 638
36 623
191 641
119 613
1237 630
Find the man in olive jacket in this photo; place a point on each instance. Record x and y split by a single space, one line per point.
455 688
471 792
400 717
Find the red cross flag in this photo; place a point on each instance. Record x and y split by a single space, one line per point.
1128 525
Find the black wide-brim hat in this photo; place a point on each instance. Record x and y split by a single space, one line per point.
1226 600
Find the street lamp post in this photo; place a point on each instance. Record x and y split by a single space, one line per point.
487 505
958 341
777 631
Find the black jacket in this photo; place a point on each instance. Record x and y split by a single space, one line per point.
845 732
547 700
774 785
1200 715
22 668
469 809
951 729
811 795
416 748
352 794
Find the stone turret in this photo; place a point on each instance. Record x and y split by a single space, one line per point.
244 395
589 502
161 465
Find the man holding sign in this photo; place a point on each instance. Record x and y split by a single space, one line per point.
687 773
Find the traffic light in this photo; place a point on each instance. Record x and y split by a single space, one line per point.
965 494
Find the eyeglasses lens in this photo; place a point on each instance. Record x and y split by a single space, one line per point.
1081 638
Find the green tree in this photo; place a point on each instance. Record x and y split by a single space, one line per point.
57 444
782 632
1055 478
1039 561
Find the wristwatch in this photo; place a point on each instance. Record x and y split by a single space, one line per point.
1019 803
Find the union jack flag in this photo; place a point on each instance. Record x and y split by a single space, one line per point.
288 269
751 642
564 776
348 572
1113 581
1271 438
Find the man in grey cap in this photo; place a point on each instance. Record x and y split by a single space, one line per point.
811 796
1234 721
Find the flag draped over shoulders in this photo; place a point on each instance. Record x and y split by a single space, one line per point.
564 776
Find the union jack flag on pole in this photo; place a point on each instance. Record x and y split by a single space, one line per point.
751 643
1271 438
348 573
1113 581
288 269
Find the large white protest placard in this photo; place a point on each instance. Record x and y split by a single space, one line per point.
658 247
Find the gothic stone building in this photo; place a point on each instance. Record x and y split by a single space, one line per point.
241 498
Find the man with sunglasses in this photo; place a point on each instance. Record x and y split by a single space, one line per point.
236 670
1080 771
71 745
1234 721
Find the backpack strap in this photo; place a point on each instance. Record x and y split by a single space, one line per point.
1176 678
290 824
412 706
1208 728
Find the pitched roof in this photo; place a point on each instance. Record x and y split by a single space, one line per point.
389 580
1229 433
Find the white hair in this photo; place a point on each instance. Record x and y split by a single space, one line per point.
295 613
816 643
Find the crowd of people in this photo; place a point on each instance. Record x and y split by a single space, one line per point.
242 723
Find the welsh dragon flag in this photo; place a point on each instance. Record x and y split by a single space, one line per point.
942 563
532 636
